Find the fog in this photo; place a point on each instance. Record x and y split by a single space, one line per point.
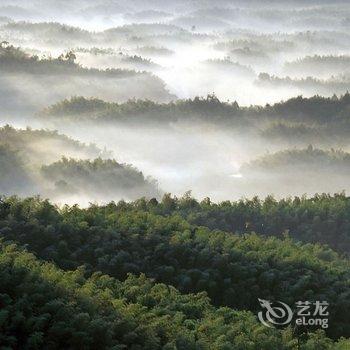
174 54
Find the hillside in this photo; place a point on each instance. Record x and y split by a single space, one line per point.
102 312
15 178
307 170
314 110
234 270
305 160
55 166
47 77
174 175
99 179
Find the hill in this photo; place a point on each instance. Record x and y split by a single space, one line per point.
45 306
56 166
234 270
46 78
99 179
315 110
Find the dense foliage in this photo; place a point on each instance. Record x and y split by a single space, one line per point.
14 59
42 306
234 270
13 174
34 162
308 160
332 64
215 97
307 170
95 109
39 145
310 85
314 110
99 176
320 219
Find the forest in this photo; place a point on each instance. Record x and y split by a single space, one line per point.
174 175
29 169
48 75
313 110
101 312
123 240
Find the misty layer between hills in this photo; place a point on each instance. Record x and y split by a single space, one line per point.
186 93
